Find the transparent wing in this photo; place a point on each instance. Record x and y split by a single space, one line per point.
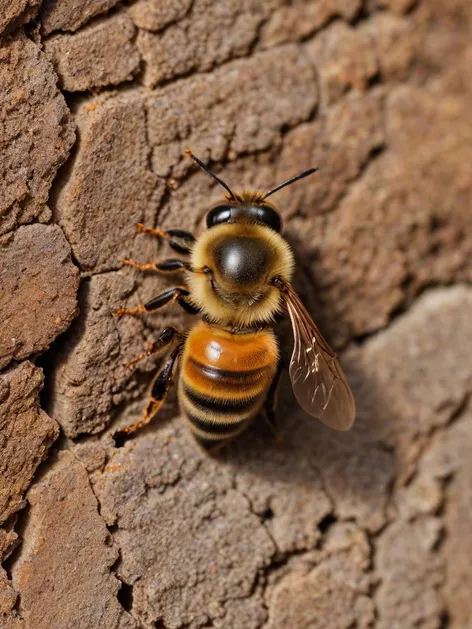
318 381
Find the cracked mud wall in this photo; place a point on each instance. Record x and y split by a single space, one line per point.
98 100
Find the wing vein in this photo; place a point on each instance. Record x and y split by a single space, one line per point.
318 381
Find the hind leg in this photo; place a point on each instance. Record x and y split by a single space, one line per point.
270 405
166 337
160 387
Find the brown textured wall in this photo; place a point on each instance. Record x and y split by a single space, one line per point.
98 100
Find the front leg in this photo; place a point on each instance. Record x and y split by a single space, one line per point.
170 265
159 389
179 239
174 295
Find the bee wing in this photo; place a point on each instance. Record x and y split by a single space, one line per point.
318 381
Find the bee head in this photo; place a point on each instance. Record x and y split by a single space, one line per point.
241 251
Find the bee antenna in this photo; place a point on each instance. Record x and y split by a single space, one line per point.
289 181
189 153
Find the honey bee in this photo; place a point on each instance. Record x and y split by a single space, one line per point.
238 279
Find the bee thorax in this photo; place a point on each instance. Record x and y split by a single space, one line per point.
241 261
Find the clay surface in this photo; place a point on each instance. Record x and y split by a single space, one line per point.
39 287
13 13
36 131
111 44
63 510
68 15
317 530
26 434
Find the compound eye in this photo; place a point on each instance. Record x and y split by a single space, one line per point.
270 217
263 214
219 214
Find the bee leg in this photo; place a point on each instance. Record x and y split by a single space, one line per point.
270 405
166 337
159 389
175 295
169 265
179 239
165 266
215 450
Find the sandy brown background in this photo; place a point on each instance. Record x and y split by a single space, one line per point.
98 100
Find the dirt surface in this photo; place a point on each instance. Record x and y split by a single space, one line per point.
367 529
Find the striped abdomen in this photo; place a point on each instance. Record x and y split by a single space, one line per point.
224 380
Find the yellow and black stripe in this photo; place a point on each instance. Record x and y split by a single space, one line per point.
224 380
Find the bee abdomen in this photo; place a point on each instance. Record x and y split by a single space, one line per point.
225 407
220 402
218 416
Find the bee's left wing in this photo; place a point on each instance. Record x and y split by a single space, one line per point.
318 381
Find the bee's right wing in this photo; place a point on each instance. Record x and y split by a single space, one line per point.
318 381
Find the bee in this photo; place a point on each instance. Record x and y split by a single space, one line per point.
238 279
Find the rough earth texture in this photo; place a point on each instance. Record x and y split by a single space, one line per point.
367 529
39 287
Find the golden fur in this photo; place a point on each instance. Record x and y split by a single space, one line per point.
261 303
